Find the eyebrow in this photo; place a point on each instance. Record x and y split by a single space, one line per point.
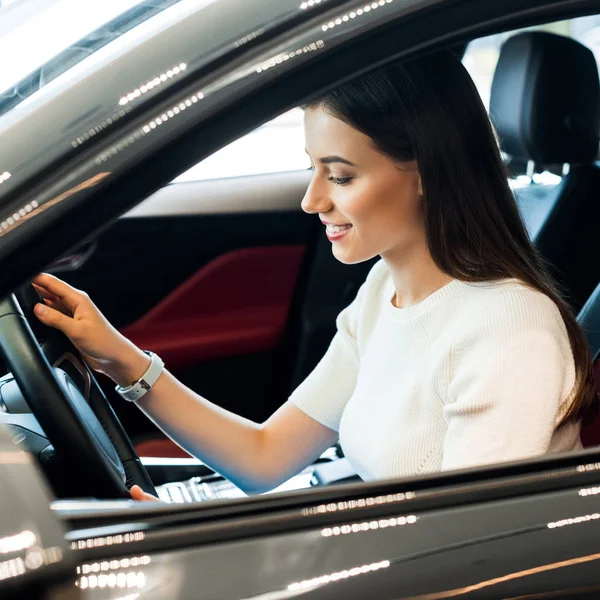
326 160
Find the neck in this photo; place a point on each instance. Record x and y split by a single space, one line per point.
414 274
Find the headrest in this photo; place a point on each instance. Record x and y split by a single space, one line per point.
545 100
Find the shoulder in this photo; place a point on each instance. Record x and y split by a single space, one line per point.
507 310
507 301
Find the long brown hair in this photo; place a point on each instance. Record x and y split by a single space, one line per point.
428 109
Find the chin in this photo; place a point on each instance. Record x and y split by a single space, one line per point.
350 258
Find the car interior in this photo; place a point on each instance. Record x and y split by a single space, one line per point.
195 244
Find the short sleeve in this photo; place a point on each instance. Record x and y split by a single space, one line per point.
323 395
513 373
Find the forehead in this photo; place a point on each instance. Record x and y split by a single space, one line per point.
324 131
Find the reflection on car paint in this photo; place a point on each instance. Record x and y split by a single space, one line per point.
367 8
509 577
249 37
26 542
33 209
100 541
90 133
148 127
369 526
574 520
31 538
359 503
123 573
11 221
154 82
280 58
309 4
338 575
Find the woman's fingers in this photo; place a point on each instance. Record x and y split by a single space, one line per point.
54 318
52 301
137 493
43 292
52 286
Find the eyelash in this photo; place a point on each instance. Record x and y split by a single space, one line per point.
336 180
340 180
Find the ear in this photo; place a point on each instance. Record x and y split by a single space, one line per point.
419 184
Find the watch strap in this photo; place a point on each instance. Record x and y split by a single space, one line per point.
143 385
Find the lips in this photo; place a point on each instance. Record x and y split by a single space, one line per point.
333 229
336 232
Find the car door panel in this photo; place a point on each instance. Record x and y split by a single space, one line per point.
236 304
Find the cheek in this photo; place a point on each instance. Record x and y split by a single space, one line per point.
380 210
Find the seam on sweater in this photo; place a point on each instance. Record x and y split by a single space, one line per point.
427 458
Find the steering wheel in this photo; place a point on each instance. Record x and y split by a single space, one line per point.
61 391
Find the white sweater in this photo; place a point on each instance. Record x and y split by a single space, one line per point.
474 374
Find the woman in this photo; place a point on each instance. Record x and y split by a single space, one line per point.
458 349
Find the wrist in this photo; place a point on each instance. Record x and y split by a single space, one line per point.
130 368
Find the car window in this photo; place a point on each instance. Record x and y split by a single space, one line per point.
278 146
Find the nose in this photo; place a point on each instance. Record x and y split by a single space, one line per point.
316 199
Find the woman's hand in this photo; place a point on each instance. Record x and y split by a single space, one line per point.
137 493
101 345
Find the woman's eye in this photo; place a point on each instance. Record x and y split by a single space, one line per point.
340 180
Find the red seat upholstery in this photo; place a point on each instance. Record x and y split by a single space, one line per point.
161 448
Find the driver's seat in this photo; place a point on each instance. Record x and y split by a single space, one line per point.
545 105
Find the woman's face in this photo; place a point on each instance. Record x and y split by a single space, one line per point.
370 205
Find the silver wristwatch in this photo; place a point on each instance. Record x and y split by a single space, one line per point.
136 390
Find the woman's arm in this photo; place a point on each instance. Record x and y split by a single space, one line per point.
254 457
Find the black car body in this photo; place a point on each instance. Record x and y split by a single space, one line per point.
89 147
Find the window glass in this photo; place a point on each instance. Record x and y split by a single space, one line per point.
276 147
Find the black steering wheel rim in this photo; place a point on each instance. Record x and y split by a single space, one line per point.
87 436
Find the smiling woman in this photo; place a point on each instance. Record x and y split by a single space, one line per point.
457 351
368 203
